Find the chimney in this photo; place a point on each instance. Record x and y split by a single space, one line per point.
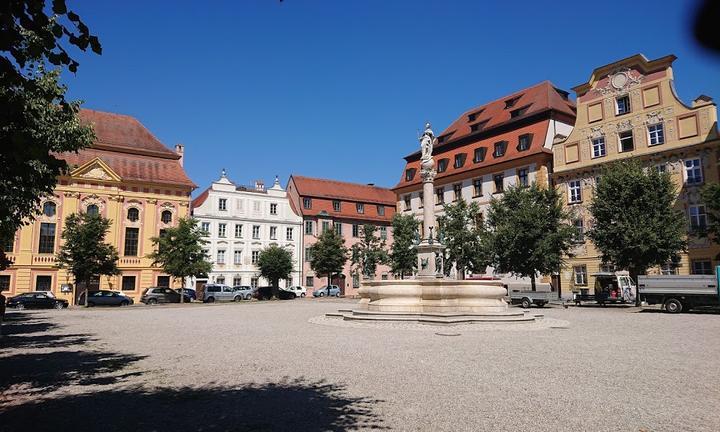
180 150
259 185
371 184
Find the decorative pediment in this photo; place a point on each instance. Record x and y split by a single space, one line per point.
654 117
595 132
95 169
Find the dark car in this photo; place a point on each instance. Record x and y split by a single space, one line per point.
266 292
189 292
155 295
106 298
36 300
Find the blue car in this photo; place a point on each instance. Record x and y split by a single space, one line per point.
189 292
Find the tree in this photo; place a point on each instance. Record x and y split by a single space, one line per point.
179 251
403 254
328 255
462 232
275 263
84 252
711 197
369 252
36 121
635 223
530 232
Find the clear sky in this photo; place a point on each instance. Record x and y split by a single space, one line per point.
339 89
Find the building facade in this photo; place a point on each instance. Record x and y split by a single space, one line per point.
345 208
127 176
240 221
490 148
629 109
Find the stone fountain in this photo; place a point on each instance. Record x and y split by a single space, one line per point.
430 297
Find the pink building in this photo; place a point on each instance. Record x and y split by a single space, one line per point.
344 207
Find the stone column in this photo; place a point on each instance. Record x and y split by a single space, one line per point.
429 247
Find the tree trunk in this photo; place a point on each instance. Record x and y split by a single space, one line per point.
182 290
532 282
87 291
328 284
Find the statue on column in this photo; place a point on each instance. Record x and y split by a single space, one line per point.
427 142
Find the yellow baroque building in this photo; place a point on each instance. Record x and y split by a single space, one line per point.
629 109
129 177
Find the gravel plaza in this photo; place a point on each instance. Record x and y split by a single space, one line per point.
282 366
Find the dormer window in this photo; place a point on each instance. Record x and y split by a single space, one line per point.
524 142
473 116
459 160
442 165
518 112
500 148
336 205
478 126
307 203
479 154
360 207
511 102
409 174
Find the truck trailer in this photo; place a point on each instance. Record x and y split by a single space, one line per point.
677 293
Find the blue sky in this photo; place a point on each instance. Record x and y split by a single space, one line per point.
339 89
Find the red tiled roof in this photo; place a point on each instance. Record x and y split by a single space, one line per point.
200 199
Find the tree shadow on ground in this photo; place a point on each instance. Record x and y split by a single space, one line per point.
289 405
21 330
22 323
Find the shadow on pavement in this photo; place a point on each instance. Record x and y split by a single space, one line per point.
290 405
698 311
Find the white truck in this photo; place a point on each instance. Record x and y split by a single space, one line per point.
610 287
677 293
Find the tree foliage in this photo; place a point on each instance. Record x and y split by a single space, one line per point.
179 251
84 252
36 121
463 234
711 198
403 254
369 252
529 231
636 225
275 263
329 254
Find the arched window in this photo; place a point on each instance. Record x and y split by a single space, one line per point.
133 214
93 209
49 209
166 216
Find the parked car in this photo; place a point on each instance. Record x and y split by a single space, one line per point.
188 292
245 291
105 298
155 295
266 293
36 300
334 291
218 292
299 291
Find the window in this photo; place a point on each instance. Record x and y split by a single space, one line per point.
439 196
128 283
308 254
622 105
524 142
256 232
273 209
256 206
477 188
500 148
238 231
626 141
93 210
406 202
459 160
307 203
473 116
325 226
479 154
574 191
237 281
288 234
4 282
336 205
239 204
308 281
420 199
49 209
511 102
43 283
499 180
442 165
133 214
693 171
478 126
383 233
221 281
409 174
656 134
457 191
518 112
308 227
205 226
237 258
381 210
698 217
702 267
598 147
273 233
132 236
580 235
253 282
356 230
222 228
669 268
338 228
355 281
221 256
360 207
580 275
222 204
255 256
161 234
384 276
523 177
47 238
166 216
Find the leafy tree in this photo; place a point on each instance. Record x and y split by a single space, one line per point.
403 254
369 252
463 234
84 252
635 223
275 263
36 121
179 251
530 231
328 255
711 197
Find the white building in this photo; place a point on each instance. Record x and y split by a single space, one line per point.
240 221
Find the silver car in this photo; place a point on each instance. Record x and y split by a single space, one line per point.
220 293
322 292
244 291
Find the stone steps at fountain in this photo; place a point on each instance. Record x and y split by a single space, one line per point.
436 318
